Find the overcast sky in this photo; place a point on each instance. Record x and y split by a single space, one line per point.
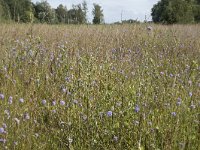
130 9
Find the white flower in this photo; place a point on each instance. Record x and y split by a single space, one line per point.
21 100
44 102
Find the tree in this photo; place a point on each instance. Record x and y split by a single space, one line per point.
61 13
78 14
19 10
44 13
173 11
72 19
85 9
4 11
196 10
98 14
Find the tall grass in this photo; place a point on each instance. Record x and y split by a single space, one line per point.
99 87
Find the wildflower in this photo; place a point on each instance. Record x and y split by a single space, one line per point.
3 140
4 126
54 103
162 73
27 117
15 143
2 130
2 96
171 75
67 79
192 106
54 111
69 93
64 90
115 138
44 102
178 101
70 140
75 102
7 112
36 134
173 114
137 109
21 100
109 113
190 94
62 102
10 100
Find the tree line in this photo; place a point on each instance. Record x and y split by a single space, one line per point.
42 12
176 11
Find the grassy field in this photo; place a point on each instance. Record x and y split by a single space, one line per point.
114 87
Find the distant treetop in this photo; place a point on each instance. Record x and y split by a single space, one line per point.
176 11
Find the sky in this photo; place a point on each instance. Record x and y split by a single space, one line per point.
112 9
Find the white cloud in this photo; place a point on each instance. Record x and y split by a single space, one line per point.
131 9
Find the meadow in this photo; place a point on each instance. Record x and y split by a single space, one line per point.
106 87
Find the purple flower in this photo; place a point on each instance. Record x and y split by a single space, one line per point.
2 130
10 100
178 101
62 102
67 79
190 94
173 114
162 73
54 103
2 96
109 113
137 109
44 102
54 111
3 140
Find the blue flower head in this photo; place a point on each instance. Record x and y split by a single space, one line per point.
137 108
109 113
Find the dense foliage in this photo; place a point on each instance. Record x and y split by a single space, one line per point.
176 11
98 14
42 12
